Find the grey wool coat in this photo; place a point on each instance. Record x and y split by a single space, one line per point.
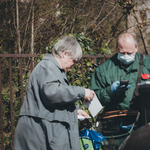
48 117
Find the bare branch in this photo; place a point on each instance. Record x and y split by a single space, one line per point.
71 26
18 27
109 41
32 32
24 41
143 34
14 15
117 24
92 22
104 18
64 26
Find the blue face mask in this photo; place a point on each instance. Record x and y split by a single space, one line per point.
126 59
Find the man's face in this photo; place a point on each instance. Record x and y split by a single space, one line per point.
126 46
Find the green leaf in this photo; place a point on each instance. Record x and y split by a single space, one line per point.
88 64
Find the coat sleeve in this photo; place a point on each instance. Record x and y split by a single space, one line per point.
54 90
101 87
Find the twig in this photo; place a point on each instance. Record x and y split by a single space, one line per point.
143 36
64 26
109 41
92 22
27 25
103 19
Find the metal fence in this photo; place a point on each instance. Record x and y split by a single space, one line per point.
9 64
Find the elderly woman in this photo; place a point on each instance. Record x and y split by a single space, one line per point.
48 117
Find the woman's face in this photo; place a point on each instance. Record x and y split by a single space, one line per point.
67 62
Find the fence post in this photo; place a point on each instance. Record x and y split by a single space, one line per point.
1 112
11 101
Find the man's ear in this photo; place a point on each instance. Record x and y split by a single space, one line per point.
117 50
136 49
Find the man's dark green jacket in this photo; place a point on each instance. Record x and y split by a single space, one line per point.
113 70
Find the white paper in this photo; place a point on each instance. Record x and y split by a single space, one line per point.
94 106
80 117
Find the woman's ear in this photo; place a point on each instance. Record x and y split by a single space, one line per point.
64 54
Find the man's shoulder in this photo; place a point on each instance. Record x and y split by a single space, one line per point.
108 64
147 60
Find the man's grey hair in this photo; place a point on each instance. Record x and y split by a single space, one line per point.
69 45
126 35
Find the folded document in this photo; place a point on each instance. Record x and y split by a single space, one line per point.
94 106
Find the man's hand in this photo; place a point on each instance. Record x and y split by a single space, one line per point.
116 88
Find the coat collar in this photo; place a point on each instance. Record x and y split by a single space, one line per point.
52 58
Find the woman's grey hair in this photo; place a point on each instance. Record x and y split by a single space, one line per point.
126 35
69 45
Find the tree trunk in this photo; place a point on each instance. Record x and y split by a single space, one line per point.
32 32
144 29
130 24
18 30
142 32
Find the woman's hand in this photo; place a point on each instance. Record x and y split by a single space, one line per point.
82 113
89 95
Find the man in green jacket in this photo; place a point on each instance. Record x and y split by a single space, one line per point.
124 65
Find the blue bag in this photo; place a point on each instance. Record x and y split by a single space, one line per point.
90 140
